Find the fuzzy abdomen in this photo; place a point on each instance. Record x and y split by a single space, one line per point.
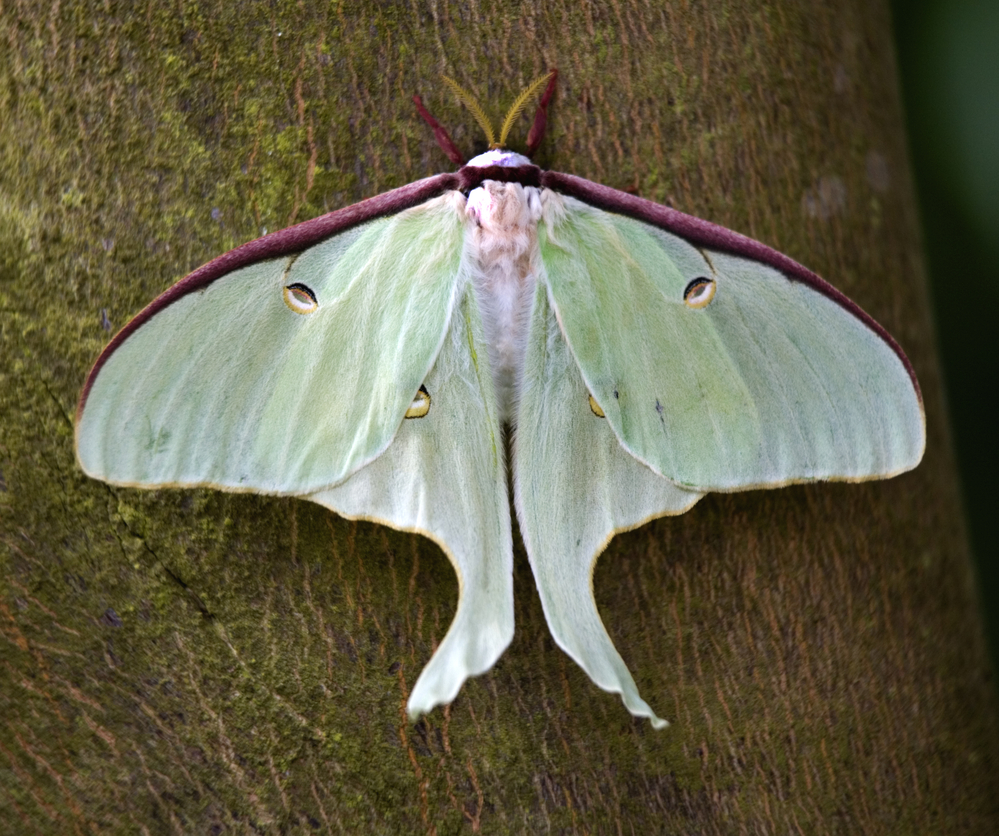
505 247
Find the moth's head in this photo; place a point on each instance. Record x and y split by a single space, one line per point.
499 156
497 153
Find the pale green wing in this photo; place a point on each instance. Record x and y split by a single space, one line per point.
575 486
768 383
243 384
443 476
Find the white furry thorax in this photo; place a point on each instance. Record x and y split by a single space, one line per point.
503 244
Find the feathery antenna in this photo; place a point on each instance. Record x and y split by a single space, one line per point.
521 102
473 105
537 131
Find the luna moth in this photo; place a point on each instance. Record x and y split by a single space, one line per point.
369 360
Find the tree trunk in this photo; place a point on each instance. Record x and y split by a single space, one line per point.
191 661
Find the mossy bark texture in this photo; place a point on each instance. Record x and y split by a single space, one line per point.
195 662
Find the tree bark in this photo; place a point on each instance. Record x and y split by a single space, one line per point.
190 661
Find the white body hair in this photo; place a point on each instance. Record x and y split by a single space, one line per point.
504 245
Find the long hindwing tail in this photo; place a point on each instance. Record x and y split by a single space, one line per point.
575 487
443 476
719 371
284 376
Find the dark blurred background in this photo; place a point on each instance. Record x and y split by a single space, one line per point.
948 55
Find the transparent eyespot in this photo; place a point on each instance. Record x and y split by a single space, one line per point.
699 292
420 405
300 298
595 408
